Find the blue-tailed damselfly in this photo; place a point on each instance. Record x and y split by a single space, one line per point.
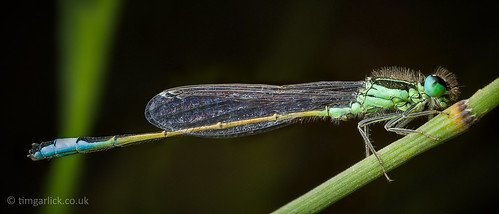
392 94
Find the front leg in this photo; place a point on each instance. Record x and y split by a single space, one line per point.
392 126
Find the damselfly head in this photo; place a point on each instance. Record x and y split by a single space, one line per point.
442 85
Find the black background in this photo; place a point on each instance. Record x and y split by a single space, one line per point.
172 43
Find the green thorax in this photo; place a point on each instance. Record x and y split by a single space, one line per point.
382 94
394 89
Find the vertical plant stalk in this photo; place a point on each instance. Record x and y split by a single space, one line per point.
454 121
85 30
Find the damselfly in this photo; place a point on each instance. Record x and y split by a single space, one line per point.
393 95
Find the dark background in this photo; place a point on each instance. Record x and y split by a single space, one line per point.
173 43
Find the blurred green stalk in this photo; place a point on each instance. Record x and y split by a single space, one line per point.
85 32
444 126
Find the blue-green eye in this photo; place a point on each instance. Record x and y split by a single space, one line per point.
434 86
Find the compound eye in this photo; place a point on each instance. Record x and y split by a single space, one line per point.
434 86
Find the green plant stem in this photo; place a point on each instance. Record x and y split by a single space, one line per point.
456 120
85 35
